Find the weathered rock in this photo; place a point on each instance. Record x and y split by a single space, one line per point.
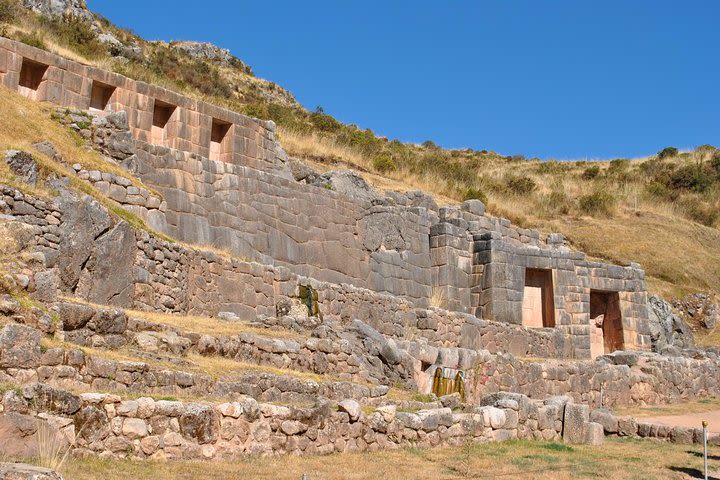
107 277
576 417
23 165
49 399
84 220
109 320
593 434
74 315
200 423
19 434
92 424
352 408
21 471
606 418
666 328
19 347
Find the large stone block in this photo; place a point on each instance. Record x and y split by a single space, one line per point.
593 434
19 347
576 416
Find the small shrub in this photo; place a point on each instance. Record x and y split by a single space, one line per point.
715 163
8 11
424 397
384 163
78 34
324 122
591 172
556 203
429 144
34 39
618 165
553 166
659 190
598 203
472 193
668 152
523 185
700 211
691 177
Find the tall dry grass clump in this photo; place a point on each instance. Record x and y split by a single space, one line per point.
53 449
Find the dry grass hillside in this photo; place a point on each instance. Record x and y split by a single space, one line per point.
660 211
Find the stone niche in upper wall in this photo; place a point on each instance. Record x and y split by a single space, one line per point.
163 131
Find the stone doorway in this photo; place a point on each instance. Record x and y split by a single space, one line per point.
32 75
538 308
162 113
101 96
606 322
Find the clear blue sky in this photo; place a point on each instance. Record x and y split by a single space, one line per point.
553 78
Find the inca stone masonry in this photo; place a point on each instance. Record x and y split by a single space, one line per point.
226 181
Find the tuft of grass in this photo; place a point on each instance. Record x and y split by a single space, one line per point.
53 449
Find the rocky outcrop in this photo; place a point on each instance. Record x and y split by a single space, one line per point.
59 8
668 332
702 309
349 183
202 50
23 165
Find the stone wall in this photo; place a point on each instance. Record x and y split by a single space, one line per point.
23 361
156 275
190 126
624 426
620 379
107 425
239 196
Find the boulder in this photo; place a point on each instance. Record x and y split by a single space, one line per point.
19 347
74 316
22 436
92 424
666 328
606 418
108 274
593 434
109 320
473 206
84 220
49 399
349 183
352 408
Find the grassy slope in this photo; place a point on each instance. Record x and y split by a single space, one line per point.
617 459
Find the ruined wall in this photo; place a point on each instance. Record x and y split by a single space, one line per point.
104 424
148 273
222 181
189 128
624 378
